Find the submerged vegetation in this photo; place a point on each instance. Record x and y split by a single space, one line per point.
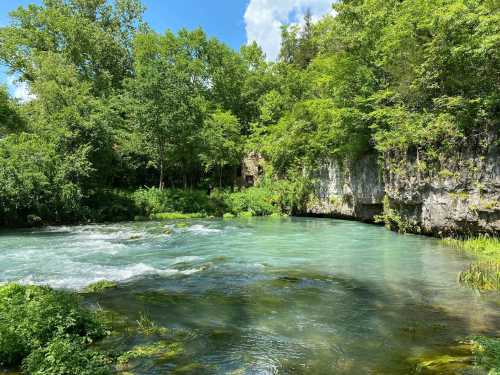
483 274
487 353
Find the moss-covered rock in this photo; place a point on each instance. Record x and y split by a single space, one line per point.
100 286
177 216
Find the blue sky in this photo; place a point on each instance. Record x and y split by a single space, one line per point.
233 21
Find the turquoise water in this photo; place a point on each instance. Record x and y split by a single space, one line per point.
264 295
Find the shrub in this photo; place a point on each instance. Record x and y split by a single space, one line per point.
153 201
66 356
259 201
32 316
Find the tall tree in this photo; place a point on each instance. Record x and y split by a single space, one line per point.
222 143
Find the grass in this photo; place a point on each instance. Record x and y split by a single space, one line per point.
483 274
484 247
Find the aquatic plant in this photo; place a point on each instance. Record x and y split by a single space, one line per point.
482 276
482 246
100 286
486 352
160 350
148 326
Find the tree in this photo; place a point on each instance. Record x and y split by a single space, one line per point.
223 143
10 119
95 36
298 46
167 106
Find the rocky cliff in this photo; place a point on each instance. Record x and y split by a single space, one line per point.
458 195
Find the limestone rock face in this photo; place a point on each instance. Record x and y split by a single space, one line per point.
251 169
461 196
350 190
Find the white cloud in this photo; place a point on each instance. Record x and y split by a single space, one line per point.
19 90
264 18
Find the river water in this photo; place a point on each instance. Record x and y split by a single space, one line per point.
265 295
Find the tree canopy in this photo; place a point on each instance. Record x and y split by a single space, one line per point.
116 105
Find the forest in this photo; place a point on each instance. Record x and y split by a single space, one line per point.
126 122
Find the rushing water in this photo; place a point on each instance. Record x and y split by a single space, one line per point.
265 296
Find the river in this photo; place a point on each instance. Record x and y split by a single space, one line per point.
265 295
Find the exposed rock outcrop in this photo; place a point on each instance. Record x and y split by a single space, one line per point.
459 195
349 190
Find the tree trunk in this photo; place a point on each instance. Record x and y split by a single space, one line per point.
161 175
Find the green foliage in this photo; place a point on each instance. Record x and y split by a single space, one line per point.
222 143
486 352
117 106
37 180
10 119
258 201
100 286
155 201
66 356
485 274
484 247
393 219
482 276
31 317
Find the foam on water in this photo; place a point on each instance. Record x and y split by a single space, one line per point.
74 257
202 229
81 275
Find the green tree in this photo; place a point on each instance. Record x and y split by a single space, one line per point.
167 108
10 119
223 143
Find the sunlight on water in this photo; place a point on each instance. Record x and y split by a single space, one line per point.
267 296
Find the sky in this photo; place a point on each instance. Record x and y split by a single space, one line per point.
235 22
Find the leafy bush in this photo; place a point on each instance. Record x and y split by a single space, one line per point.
259 201
154 201
66 356
39 182
32 316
